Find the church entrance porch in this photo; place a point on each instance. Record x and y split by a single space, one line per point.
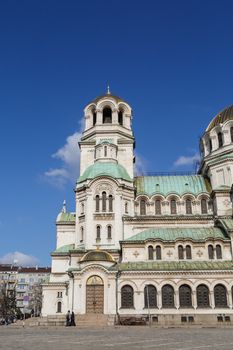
95 295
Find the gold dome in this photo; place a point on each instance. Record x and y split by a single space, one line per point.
97 255
221 117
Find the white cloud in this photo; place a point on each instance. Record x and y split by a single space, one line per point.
184 160
69 155
19 259
140 166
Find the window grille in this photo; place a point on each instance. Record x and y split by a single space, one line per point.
167 296
127 301
142 207
59 306
220 296
204 206
158 207
173 206
188 206
150 296
203 296
185 296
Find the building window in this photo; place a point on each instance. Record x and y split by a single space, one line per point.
142 207
107 115
204 206
158 207
126 208
173 206
81 234
220 139
105 151
110 203
220 296
150 296
210 144
203 296
167 296
94 117
231 131
218 251
98 232
104 201
120 117
127 297
185 296
188 252
150 252
59 294
59 307
82 208
97 203
109 232
180 252
211 251
158 252
188 206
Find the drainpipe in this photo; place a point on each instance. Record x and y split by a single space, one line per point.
71 275
118 274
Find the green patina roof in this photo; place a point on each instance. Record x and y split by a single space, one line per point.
175 265
227 223
220 158
66 217
111 169
172 234
165 185
64 248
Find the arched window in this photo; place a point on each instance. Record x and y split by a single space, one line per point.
97 203
203 299
150 296
81 234
126 208
105 151
104 201
211 251
188 252
188 205
218 251
185 296
127 297
150 252
107 115
120 117
142 207
158 252
167 296
110 203
82 208
204 206
220 139
158 207
231 131
173 206
59 306
220 296
180 252
98 232
210 144
109 232
94 117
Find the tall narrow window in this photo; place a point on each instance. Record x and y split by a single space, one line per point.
188 252
158 207
204 206
81 234
105 151
218 251
231 131
98 232
150 252
59 307
173 206
107 115
142 207
220 296
94 118
120 117
188 206
203 296
180 252
126 208
97 203
150 296
185 296
210 144
158 252
110 203
104 201
127 297
220 139
109 232
167 296
211 251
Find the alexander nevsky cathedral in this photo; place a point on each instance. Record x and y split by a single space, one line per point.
157 248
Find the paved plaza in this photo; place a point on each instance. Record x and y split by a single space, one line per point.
115 338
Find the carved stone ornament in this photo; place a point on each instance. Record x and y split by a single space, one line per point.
226 202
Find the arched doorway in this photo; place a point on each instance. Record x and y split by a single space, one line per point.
95 295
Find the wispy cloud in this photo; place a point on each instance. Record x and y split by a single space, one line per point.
140 166
69 156
187 160
20 259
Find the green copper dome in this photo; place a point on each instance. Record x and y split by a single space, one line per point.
105 169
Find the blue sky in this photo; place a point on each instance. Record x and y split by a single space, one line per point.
171 60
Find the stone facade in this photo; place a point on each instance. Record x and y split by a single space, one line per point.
153 246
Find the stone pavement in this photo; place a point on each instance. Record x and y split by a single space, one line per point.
134 337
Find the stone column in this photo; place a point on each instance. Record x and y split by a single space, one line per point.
212 302
229 298
177 299
194 299
159 299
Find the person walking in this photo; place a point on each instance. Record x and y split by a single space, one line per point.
73 319
68 319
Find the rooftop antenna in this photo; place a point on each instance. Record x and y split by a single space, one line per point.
64 207
108 90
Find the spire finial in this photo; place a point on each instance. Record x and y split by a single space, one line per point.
108 90
64 206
